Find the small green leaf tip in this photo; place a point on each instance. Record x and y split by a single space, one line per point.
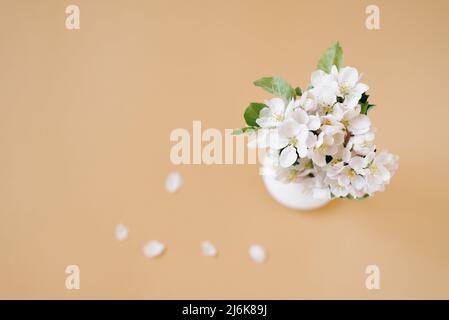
332 56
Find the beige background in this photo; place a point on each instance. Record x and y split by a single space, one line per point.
85 118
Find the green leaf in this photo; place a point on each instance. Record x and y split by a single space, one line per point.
365 105
350 197
252 113
332 56
298 91
277 86
242 130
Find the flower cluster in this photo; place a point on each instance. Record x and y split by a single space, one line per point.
322 137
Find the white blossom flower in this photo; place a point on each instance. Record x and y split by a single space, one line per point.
359 164
338 162
347 183
291 106
322 140
292 140
349 87
363 175
356 124
350 176
308 101
295 136
323 84
352 119
362 144
311 121
330 125
380 168
338 190
326 145
295 173
273 114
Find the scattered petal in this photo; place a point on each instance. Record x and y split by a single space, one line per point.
208 249
173 182
257 253
153 249
121 232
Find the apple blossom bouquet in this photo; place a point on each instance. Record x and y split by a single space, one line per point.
321 137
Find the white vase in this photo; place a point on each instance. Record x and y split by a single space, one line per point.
291 195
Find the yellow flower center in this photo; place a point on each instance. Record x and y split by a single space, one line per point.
345 123
327 109
309 165
373 168
344 89
327 122
279 117
323 147
292 141
292 175
334 162
351 173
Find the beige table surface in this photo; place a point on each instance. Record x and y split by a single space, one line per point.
85 118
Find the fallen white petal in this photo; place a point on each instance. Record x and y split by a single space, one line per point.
208 249
257 253
173 182
121 232
153 249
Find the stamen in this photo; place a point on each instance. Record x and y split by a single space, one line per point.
344 89
293 141
351 173
323 147
309 165
335 161
327 109
292 175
